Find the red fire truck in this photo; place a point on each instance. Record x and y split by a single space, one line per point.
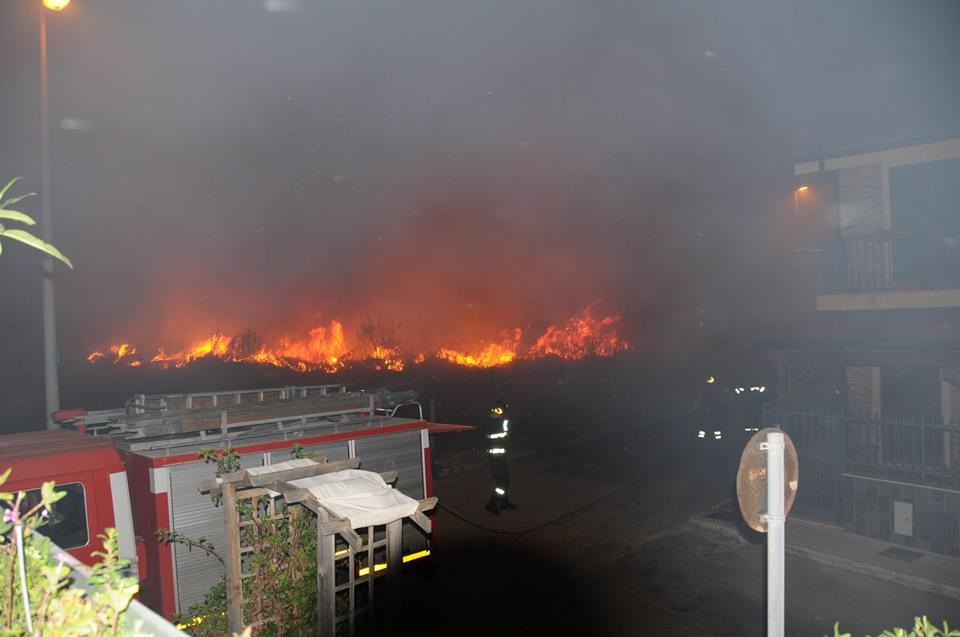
136 468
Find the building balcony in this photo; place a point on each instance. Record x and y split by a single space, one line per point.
891 270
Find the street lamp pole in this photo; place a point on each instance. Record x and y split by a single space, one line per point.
50 355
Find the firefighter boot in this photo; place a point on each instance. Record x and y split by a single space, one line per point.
493 506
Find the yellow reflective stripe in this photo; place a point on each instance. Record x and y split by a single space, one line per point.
406 558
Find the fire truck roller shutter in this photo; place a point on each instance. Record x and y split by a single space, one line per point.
193 514
401 452
123 519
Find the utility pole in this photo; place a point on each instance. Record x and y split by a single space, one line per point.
50 354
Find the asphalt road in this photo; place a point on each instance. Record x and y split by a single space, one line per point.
601 546
703 583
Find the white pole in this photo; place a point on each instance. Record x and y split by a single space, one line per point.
51 382
775 531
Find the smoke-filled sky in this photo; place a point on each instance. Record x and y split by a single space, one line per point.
452 166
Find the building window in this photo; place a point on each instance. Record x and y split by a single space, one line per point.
924 196
910 394
67 524
925 218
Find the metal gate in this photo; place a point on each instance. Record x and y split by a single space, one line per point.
817 438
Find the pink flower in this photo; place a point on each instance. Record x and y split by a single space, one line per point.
10 515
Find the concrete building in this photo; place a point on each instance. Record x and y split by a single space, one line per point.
870 380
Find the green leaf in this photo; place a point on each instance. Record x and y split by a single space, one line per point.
5 475
16 215
7 187
48 495
25 237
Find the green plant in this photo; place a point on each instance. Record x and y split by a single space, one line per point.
280 592
226 461
35 590
299 452
921 628
169 536
22 235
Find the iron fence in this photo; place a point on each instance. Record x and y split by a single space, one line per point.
829 445
918 452
892 260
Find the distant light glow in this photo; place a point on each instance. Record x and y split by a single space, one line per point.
803 188
56 5
276 6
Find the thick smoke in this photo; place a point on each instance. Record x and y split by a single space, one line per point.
457 168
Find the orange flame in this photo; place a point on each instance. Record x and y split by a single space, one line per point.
491 355
326 348
387 358
123 350
580 336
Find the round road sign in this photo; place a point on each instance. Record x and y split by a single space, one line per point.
752 479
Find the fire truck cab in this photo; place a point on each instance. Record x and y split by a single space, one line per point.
90 470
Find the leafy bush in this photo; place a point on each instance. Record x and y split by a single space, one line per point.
921 628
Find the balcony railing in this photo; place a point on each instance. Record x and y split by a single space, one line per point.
893 260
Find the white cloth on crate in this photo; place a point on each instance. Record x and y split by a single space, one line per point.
361 497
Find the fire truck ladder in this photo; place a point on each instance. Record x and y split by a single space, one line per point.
182 419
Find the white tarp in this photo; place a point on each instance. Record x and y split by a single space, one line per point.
281 466
362 497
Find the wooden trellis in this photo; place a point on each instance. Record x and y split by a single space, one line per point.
349 560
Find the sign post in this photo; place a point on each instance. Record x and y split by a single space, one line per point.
767 483
775 523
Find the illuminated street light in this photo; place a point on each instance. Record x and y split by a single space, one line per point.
56 5
796 197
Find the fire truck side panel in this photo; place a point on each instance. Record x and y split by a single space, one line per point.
331 451
151 511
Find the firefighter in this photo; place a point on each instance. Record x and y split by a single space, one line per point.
497 432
